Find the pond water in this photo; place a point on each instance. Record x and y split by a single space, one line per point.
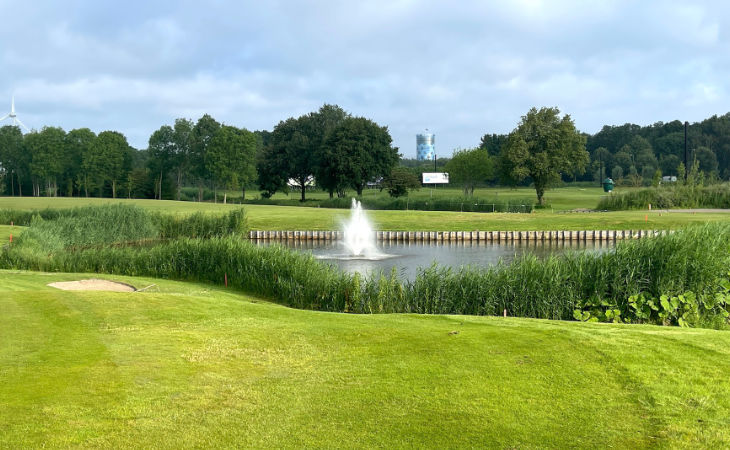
407 257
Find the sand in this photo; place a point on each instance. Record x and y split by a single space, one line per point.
92 285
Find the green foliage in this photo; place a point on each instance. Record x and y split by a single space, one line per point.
88 226
201 225
13 158
230 158
364 151
400 181
658 273
470 168
543 147
672 196
288 155
330 168
51 230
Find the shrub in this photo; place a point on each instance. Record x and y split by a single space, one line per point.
717 196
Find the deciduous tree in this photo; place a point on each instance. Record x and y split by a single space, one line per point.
469 168
542 147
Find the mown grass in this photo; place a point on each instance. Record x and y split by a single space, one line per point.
264 217
188 365
6 231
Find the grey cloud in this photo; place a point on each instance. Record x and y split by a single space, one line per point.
461 68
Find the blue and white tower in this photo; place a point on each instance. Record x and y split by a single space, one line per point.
425 150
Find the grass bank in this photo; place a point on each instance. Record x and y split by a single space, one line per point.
265 217
188 365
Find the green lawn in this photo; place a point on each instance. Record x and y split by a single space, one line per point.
563 198
265 217
6 231
189 365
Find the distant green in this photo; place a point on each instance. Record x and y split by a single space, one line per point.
265 217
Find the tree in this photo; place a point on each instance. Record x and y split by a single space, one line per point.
329 164
469 168
669 163
289 155
13 157
364 149
400 181
182 150
542 147
623 159
46 148
603 159
230 158
492 143
205 129
706 159
617 173
161 151
657 179
80 143
113 151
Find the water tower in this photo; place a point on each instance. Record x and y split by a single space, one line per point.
425 150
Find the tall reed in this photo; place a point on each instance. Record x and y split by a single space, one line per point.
717 196
694 260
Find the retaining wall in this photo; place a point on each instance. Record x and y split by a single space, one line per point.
455 236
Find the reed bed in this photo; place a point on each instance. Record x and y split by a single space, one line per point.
573 285
716 196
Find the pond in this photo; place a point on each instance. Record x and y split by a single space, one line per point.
407 257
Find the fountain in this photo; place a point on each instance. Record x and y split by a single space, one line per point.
359 235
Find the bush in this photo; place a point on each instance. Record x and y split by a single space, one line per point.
717 196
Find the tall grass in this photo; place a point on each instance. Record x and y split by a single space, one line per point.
201 225
717 196
89 226
554 288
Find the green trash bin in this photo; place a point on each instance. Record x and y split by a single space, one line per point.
607 185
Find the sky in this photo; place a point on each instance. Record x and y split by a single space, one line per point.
461 68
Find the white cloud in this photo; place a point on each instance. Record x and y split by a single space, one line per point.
462 69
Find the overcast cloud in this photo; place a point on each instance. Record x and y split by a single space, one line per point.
461 68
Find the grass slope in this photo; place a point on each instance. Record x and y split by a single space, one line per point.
265 217
195 366
6 231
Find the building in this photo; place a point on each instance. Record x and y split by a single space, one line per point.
425 149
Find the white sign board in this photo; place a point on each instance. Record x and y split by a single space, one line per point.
435 178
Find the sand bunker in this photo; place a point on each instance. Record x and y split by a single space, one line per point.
92 285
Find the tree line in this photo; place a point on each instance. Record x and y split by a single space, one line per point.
337 151
636 155
330 145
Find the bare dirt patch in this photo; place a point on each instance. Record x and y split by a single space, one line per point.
92 285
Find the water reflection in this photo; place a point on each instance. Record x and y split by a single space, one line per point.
407 257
